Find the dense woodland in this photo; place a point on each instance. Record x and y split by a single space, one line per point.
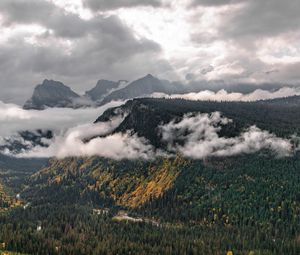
243 204
247 204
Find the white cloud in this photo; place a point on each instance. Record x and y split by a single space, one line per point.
223 95
72 136
86 140
193 136
200 138
14 119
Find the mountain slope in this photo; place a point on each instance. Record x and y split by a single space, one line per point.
84 206
102 88
51 94
248 204
141 87
292 101
146 114
134 183
175 189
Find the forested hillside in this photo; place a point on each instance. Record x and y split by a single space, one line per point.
244 204
248 203
281 117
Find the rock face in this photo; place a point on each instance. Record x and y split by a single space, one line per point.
142 87
102 88
51 94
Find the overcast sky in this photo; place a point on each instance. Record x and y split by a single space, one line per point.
81 41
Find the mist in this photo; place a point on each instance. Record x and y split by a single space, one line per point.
194 136
14 119
223 95
94 140
200 138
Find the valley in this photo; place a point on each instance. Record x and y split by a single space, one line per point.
247 203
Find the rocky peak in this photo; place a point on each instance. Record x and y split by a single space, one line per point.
51 94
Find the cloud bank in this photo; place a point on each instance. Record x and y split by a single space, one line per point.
200 138
194 136
223 95
90 140
14 119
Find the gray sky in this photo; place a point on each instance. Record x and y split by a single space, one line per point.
79 42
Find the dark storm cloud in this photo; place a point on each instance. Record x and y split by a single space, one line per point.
102 47
46 14
211 2
255 21
244 27
252 19
24 11
288 71
263 18
259 18
103 5
256 18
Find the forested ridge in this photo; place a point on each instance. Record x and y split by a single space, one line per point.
281 117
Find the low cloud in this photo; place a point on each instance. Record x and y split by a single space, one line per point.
200 138
82 141
194 136
223 95
14 119
72 136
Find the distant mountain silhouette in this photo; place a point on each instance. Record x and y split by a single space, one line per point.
55 94
51 94
144 86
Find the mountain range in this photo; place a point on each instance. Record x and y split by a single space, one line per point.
55 94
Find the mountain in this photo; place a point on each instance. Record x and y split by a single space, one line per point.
146 114
103 88
284 101
142 87
216 200
51 94
55 94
